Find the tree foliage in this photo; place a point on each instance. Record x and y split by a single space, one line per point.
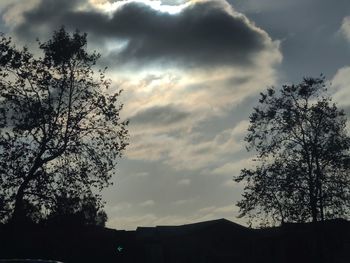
303 159
76 211
60 125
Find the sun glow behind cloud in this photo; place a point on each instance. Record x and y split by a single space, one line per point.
188 97
185 67
157 5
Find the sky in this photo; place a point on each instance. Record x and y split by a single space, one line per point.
192 72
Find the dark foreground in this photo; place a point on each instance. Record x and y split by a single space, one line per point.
213 241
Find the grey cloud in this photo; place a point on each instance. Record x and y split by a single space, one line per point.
160 115
346 109
309 29
48 15
238 80
204 34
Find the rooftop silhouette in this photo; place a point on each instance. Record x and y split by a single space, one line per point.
211 241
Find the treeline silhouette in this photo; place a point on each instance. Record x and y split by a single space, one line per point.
218 241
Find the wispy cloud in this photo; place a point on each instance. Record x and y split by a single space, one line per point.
345 28
340 87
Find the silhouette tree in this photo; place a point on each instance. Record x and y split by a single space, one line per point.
303 159
59 123
32 213
76 211
4 210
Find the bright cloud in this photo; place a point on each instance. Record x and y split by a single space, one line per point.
157 5
340 86
234 168
345 28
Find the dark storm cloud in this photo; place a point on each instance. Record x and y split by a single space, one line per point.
48 14
204 33
159 115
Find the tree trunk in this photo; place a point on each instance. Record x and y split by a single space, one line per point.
18 212
314 214
313 205
319 180
321 204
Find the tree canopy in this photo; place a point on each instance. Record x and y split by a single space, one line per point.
76 211
303 159
60 124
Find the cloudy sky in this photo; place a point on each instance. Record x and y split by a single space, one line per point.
191 71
